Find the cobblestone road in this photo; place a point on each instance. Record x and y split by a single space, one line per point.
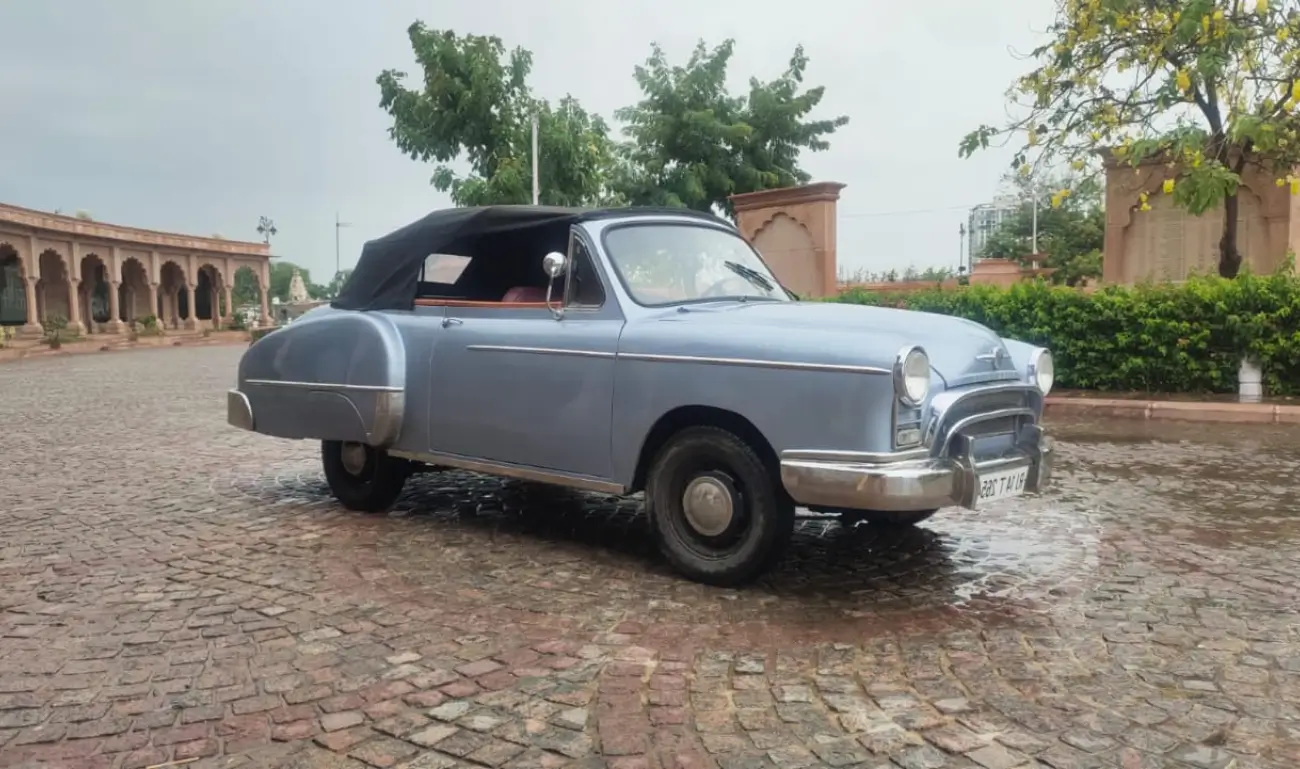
175 589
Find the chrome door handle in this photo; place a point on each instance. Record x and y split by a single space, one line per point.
451 322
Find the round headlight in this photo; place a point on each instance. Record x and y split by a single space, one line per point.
1042 371
912 375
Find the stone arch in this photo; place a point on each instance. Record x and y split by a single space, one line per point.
790 250
207 294
13 288
92 291
133 293
53 286
172 291
246 292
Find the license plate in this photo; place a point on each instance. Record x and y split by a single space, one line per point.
1003 484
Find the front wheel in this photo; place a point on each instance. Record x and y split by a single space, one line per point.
363 477
717 511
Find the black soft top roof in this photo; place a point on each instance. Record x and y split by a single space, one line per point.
388 271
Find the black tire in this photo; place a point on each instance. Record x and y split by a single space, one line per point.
762 522
885 517
372 488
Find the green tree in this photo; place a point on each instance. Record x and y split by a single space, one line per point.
693 144
1070 234
331 289
245 291
1211 86
473 102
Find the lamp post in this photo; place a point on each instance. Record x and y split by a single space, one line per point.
1033 197
537 189
961 246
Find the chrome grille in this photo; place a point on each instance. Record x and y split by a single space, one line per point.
980 412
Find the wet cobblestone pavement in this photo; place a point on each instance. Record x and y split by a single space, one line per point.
177 589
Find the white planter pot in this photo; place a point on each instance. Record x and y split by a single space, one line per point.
1250 381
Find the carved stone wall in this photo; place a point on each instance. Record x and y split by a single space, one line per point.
794 229
1168 244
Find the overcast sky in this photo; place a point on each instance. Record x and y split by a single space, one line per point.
200 117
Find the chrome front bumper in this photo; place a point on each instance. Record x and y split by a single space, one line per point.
908 481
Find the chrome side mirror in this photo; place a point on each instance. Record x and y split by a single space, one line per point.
554 264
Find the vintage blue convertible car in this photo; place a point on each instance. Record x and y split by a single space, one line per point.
651 350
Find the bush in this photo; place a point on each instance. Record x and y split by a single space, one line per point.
148 326
56 331
1186 338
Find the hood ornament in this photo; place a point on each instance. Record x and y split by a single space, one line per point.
994 356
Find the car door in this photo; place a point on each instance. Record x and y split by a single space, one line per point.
514 385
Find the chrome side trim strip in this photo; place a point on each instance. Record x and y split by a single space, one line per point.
756 363
853 457
539 350
518 472
333 386
705 360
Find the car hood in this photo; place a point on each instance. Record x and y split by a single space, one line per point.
874 334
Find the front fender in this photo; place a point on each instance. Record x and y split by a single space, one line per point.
1022 357
331 375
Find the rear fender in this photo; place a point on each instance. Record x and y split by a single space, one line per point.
331 375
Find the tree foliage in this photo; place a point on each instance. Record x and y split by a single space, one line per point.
693 144
1070 233
1210 86
690 143
473 102
245 290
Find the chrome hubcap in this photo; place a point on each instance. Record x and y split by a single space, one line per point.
708 506
354 458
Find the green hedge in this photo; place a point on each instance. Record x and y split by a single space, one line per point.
1187 338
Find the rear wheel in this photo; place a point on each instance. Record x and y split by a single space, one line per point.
717 511
885 517
363 477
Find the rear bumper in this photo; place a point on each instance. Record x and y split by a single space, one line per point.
906 482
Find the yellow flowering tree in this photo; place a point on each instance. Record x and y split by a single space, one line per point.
1211 87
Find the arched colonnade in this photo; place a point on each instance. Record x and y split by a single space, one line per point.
100 278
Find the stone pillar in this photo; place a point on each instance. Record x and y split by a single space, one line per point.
114 325
75 326
266 309
229 317
33 325
191 317
794 229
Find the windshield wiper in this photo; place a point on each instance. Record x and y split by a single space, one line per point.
750 274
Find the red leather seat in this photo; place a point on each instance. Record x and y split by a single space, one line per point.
525 294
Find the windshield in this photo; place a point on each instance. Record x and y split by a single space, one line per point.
673 263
